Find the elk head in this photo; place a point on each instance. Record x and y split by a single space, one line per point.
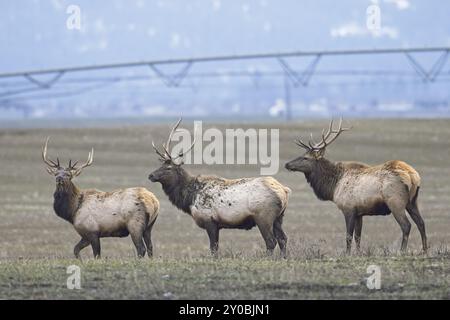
170 170
314 150
64 175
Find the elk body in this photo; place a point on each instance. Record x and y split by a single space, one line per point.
95 214
359 189
216 203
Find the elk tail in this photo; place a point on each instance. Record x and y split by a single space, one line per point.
415 186
150 204
156 207
287 191
414 199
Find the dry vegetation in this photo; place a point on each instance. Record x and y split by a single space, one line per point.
36 246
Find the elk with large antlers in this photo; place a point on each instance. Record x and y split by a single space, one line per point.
216 203
96 214
359 189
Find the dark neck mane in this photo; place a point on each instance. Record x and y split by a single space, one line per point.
323 178
182 192
67 200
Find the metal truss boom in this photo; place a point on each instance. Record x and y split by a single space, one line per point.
224 58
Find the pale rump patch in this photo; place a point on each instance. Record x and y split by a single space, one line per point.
282 192
407 174
150 203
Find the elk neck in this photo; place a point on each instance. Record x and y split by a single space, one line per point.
324 178
67 200
182 190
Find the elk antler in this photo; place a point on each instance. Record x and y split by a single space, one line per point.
78 170
72 166
183 153
328 137
169 139
162 155
166 155
51 165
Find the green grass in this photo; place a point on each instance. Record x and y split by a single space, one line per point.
405 277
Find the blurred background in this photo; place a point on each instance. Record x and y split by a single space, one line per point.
35 37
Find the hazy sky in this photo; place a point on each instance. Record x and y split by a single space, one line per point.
34 34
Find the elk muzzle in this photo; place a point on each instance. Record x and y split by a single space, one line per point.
152 177
290 166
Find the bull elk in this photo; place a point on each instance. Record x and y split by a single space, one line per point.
359 189
216 203
96 214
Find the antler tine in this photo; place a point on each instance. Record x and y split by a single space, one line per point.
163 156
72 165
167 145
50 163
182 154
301 144
54 164
325 136
167 152
336 133
89 160
91 154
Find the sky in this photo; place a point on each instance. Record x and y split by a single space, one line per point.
34 33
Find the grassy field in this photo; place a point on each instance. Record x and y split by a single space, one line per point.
36 246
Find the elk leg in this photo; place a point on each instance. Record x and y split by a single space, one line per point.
280 235
266 230
80 246
413 211
136 230
95 243
358 229
148 240
138 243
405 225
213 233
350 226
